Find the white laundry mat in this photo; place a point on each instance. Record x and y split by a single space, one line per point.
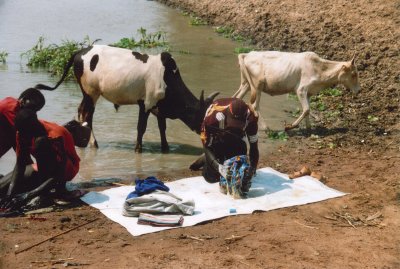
270 190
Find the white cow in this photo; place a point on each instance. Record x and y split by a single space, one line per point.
305 74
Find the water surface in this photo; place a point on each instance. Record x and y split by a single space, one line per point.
208 64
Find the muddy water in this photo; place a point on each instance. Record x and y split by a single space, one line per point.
206 61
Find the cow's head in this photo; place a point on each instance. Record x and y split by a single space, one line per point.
80 132
179 101
348 76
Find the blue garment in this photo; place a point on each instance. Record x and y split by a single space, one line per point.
145 186
238 168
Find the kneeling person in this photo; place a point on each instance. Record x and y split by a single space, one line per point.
227 123
56 160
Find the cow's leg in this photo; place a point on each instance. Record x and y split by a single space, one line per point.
162 126
241 92
256 104
141 126
85 114
305 104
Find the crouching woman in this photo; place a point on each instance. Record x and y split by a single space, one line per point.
57 162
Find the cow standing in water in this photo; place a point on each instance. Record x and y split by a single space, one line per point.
305 74
124 77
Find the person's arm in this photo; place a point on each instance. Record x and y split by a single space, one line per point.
252 136
222 169
211 157
23 159
254 156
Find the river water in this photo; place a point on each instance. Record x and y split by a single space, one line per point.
208 63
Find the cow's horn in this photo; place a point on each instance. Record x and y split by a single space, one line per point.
202 98
211 97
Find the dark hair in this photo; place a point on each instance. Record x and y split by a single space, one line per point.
27 123
32 98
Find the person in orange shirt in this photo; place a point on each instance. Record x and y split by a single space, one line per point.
9 106
57 162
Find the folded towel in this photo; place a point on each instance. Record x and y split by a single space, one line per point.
160 220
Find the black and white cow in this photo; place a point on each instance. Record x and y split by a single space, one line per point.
125 77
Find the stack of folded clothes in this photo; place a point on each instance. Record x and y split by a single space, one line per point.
151 196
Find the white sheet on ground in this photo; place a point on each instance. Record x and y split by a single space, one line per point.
270 190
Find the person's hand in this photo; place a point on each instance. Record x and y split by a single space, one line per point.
252 171
246 184
223 170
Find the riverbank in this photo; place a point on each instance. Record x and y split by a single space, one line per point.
358 156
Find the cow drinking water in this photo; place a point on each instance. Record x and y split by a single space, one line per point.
305 74
124 77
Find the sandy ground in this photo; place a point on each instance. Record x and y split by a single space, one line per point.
357 155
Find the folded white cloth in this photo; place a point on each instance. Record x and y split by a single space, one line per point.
157 202
160 220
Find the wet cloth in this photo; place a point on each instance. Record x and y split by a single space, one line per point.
160 221
157 202
238 168
147 185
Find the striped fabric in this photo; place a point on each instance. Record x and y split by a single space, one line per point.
160 220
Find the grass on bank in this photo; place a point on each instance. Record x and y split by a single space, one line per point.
54 57
3 56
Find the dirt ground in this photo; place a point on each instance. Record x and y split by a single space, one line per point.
357 155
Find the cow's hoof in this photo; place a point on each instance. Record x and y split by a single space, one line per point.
165 149
288 127
138 149
94 144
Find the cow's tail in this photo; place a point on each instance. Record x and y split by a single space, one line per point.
66 69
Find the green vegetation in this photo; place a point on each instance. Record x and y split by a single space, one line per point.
229 32
372 118
146 40
317 101
243 50
55 57
196 21
277 135
3 56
